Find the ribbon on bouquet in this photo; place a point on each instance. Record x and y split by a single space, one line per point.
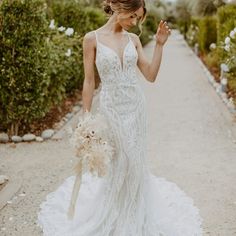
75 191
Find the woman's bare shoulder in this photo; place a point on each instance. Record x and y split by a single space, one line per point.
135 38
89 37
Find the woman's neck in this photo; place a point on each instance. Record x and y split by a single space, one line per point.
112 25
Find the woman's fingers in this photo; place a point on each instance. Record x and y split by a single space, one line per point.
161 23
163 27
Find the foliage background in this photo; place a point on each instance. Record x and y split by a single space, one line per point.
36 72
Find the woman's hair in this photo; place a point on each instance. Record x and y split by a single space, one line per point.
125 6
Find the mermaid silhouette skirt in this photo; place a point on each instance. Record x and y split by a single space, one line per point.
129 200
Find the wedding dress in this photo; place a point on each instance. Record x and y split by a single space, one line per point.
130 200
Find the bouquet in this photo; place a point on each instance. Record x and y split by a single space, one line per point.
94 148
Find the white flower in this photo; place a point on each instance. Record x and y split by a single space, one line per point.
227 48
52 24
69 31
68 53
224 81
235 29
61 28
232 34
227 40
213 46
224 67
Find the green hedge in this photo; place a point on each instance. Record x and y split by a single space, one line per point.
192 35
202 31
24 58
36 71
183 26
66 65
226 21
72 14
207 32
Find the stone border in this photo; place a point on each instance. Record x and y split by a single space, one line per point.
217 86
60 128
46 134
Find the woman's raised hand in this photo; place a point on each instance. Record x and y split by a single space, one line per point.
162 33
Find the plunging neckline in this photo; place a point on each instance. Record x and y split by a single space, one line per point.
115 53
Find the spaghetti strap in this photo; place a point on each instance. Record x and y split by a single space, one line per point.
128 36
96 35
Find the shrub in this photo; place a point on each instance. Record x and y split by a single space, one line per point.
229 47
95 18
152 19
207 33
212 59
226 21
193 32
39 64
24 58
73 14
66 65
183 26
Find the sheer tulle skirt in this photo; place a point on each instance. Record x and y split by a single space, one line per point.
164 209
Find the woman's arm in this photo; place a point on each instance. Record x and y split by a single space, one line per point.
150 70
89 80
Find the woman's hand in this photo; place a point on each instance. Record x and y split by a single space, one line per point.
162 33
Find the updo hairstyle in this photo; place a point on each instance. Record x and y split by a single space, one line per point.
125 6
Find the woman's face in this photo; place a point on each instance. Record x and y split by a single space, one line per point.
128 20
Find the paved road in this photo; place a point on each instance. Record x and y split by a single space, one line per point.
192 136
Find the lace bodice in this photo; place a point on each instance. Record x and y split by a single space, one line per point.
109 64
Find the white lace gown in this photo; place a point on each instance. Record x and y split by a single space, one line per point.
130 200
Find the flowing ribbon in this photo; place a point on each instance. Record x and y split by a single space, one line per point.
76 187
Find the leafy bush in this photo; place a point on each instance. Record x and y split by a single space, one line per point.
66 65
73 14
226 21
193 32
229 47
151 23
39 65
24 58
96 18
207 33
183 26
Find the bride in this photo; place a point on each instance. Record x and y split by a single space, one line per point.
130 200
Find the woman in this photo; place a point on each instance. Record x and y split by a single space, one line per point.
129 201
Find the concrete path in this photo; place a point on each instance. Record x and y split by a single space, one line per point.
192 136
191 142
